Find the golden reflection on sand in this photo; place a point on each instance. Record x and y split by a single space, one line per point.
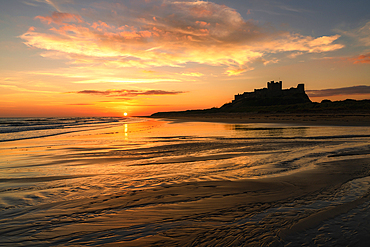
168 183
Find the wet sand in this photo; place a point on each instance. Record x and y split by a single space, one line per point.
195 213
253 185
302 119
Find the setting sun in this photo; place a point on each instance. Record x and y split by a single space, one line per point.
249 122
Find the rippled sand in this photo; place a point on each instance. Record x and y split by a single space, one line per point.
159 183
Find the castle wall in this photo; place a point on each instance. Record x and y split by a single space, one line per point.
273 89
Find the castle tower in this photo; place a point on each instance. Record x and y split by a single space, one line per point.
300 88
275 86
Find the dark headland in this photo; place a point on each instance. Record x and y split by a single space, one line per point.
276 105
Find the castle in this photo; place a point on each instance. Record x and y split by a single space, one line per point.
273 90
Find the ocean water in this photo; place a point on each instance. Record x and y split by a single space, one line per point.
12 129
53 168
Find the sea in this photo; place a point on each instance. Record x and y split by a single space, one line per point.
51 169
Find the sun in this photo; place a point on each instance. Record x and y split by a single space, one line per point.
125 114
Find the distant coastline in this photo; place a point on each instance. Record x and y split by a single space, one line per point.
360 119
277 105
345 113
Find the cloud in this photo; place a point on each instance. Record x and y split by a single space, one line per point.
20 89
361 59
60 18
128 80
50 2
295 54
55 4
148 71
194 74
364 34
235 71
291 9
167 33
300 43
361 34
95 75
80 104
339 91
128 93
30 3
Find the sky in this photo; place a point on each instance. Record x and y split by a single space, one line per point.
64 58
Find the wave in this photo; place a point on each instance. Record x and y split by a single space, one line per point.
12 129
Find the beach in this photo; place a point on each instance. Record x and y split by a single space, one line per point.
338 119
184 123
185 182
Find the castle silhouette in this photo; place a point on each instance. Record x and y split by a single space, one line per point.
274 89
274 94
275 99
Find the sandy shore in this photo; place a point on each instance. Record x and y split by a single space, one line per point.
196 213
302 119
188 184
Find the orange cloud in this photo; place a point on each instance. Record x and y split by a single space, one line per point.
100 25
128 93
299 43
235 71
196 74
361 59
181 32
60 18
200 11
203 23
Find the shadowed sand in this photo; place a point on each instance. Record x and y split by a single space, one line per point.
188 184
191 214
304 119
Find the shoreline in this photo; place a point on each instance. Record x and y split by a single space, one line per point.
329 119
171 189
210 211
